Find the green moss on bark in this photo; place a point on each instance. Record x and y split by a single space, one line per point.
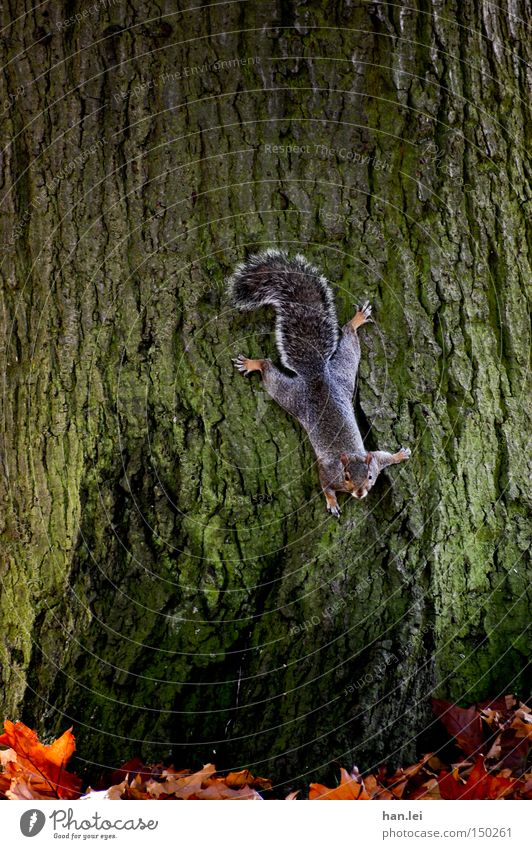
170 579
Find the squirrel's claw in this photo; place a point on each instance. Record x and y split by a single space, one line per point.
334 509
405 453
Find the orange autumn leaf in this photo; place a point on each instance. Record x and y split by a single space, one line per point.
245 778
8 760
39 771
375 790
349 789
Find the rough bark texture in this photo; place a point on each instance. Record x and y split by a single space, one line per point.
171 582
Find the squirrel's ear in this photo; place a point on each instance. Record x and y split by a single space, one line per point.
344 459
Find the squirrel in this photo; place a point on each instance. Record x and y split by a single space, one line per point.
323 362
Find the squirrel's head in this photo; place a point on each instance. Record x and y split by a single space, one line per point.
360 473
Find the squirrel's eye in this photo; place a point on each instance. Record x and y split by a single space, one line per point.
370 477
347 476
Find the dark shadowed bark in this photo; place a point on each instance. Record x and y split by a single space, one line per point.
171 582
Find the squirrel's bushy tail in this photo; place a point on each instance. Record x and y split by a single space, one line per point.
306 325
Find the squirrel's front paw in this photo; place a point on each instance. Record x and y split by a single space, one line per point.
240 364
404 453
334 509
247 366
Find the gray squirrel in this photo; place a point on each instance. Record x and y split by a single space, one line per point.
323 361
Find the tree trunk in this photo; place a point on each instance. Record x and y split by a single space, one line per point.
171 582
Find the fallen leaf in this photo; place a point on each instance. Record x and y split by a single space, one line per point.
349 789
527 787
131 768
501 704
429 790
220 790
245 778
39 769
479 785
20 790
464 724
188 785
376 790
118 791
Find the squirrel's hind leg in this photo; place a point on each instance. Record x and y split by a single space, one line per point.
362 316
346 359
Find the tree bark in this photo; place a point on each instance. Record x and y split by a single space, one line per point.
171 582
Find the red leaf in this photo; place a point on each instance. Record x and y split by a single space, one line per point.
479 785
464 724
132 768
502 704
